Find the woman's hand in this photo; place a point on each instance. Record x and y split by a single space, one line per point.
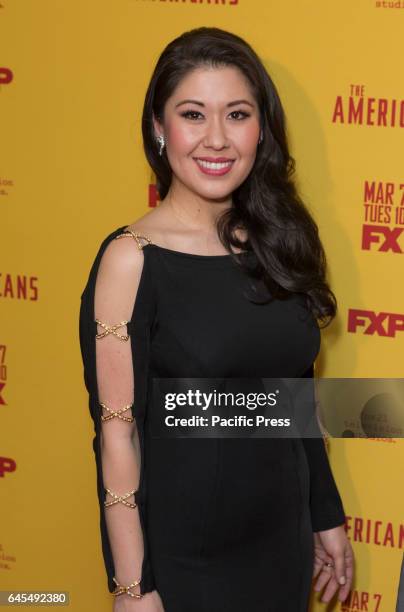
150 602
332 546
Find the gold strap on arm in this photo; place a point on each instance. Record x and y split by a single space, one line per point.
121 589
111 329
117 413
137 237
120 499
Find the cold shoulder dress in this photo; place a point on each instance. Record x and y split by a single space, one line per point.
227 523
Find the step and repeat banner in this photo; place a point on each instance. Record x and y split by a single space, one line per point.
73 75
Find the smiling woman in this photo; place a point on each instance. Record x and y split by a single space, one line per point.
197 128
226 278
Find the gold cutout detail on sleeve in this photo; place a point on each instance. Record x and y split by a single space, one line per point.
111 329
121 589
136 237
117 413
120 499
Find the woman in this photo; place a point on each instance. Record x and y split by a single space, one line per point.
212 283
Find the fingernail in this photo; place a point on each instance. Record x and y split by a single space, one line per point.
342 580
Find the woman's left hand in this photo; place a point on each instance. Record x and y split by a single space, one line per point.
332 546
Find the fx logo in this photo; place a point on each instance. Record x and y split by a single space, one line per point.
383 235
6 76
2 400
382 323
154 196
6 465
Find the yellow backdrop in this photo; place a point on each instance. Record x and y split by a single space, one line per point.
73 74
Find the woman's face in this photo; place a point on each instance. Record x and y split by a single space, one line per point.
211 116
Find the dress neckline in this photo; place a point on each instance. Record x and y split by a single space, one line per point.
185 254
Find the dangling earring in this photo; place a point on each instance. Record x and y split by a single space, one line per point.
261 137
160 140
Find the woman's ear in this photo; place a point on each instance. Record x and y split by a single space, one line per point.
157 126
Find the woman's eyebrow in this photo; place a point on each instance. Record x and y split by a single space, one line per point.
199 103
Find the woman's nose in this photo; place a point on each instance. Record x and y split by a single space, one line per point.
215 135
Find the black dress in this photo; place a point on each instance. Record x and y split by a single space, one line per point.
227 522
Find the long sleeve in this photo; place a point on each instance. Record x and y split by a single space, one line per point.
326 506
117 405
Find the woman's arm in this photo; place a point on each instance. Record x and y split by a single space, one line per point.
326 506
115 293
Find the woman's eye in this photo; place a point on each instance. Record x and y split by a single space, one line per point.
188 114
240 113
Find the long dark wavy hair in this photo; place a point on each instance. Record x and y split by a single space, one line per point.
283 238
